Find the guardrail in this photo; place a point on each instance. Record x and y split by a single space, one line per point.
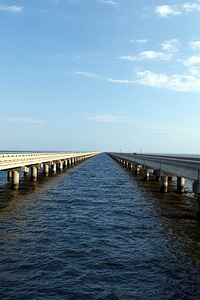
25 162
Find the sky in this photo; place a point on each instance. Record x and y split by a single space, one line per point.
100 75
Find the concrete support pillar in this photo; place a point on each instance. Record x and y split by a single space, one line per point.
180 185
9 175
15 180
60 165
129 166
137 169
26 171
163 184
65 164
146 174
157 178
196 190
157 174
54 167
69 162
34 173
46 170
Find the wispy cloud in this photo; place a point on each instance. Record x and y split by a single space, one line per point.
121 80
12 8
192 60
171 45
194 70
22 120
177 82
181 83
108 119
148 55
191 6
165 11
109 2
141 41
87 74
195 45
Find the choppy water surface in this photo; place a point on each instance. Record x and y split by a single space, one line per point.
96 231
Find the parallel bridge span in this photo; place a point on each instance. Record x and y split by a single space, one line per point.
164 167
14 163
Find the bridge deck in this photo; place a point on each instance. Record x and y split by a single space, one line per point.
180 166
10 161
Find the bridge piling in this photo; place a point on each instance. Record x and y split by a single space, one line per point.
146 174
137 169
196 190
53 167
60 165
163 184
34 173
9 175
46 170
26 171
180 185
15 180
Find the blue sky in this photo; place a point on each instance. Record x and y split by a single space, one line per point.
100 75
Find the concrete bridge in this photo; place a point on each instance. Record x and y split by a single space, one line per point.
164 167
14 163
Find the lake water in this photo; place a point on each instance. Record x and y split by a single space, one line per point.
96 231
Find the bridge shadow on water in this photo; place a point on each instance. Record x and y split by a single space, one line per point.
12 199
175 205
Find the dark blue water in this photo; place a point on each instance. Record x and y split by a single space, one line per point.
96 231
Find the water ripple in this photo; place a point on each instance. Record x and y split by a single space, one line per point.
96 231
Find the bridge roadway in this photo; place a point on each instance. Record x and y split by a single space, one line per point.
14 163
164 167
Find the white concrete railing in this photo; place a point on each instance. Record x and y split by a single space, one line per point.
10 161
